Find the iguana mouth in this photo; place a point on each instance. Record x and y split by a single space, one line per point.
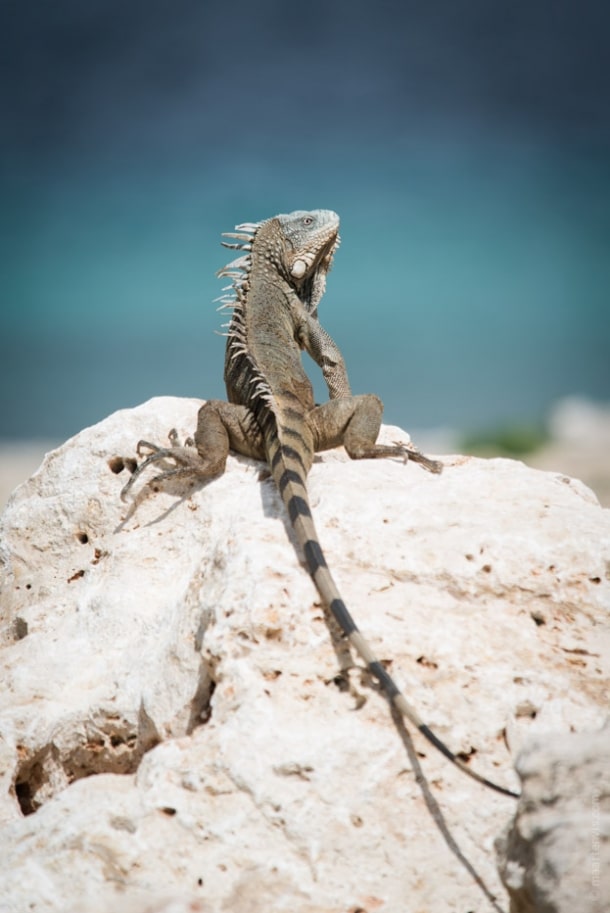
330 251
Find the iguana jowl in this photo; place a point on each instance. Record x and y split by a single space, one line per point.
276 286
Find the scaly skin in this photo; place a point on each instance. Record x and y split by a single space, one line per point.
276 287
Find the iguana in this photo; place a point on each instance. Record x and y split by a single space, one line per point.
276 285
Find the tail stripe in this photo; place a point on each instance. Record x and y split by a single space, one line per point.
288 476
298 507
343 617
285 452
289 412
385 680
425 731
314 557
287 431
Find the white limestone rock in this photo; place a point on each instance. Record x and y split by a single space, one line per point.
172 721
555 858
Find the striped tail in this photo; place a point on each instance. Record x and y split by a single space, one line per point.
289 470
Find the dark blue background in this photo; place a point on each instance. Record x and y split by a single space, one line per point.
464 144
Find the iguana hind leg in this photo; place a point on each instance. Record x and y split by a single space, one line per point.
221 427
354 421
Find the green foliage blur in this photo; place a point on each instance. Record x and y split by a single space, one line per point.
510 440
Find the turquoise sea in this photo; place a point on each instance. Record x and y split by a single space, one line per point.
466 148
472 286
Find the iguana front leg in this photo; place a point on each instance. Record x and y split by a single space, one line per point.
312 337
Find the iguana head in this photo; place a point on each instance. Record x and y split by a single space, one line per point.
304 244
309 241
297 247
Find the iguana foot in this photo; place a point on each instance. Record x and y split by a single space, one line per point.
186 459
411 452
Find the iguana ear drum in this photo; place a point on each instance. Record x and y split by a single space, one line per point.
299 268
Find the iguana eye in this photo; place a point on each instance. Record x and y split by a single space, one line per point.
307 220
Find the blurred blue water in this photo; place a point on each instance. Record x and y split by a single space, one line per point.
471 287
466 148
